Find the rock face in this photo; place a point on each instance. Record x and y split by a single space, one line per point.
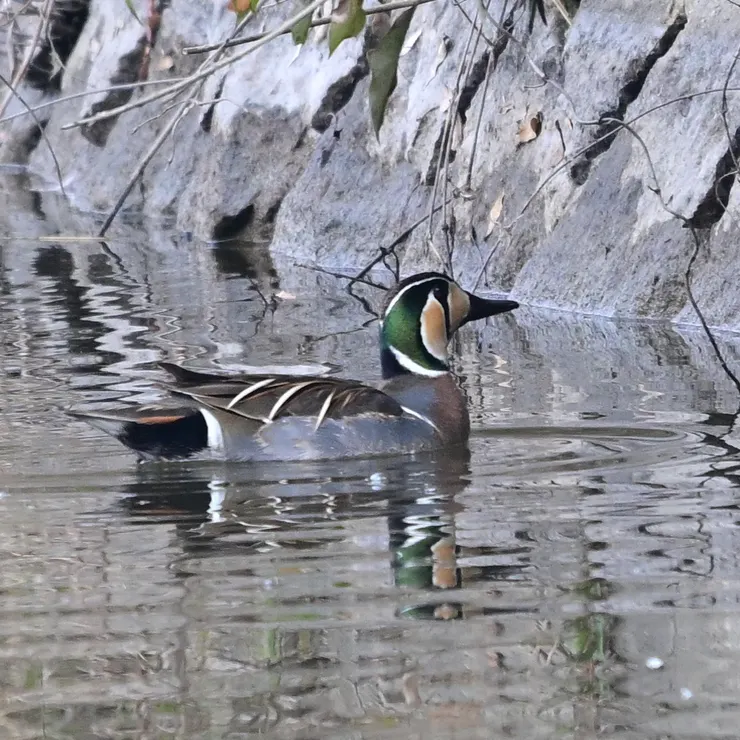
547 196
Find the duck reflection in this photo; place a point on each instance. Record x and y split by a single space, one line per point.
219 511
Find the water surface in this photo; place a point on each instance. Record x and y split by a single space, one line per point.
520 590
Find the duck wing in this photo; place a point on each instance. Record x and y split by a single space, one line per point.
265 398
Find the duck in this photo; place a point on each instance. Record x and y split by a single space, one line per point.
274 417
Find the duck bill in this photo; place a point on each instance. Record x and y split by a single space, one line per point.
480 308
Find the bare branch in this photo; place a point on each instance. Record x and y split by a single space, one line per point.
42 131
20 73
87 93
697 246
385 251
204 71
724 108
441 173
386 8
692 300
198 80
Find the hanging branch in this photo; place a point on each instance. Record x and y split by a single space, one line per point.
41 30
384 252
386 8
441 171
42 131
688 224
692 300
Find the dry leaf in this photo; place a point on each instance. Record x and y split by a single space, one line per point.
529 129
494 214
284 295
240 6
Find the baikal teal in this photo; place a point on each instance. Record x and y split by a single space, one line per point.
258 418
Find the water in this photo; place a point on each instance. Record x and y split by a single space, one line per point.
519 591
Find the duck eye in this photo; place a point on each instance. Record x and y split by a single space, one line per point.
439 292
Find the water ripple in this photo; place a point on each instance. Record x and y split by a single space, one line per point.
516 591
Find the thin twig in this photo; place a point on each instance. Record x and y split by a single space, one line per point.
168 129
442 165
387 8
449 222
86 93
625 124
12 17
341 275
42 131
560 7
569 160
144 161
484 266
206 68
731 139
687 278
502 30
202 73
153 118
697 245
20 73
10 46
495 53
479 121
472 21
385 251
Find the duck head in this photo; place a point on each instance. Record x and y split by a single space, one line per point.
420 317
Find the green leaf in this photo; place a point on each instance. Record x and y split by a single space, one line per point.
299 32
347 22
384 67
132 10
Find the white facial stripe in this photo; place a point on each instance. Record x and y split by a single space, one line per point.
414 367
401 292
434 329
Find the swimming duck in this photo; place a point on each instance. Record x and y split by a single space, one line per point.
286 417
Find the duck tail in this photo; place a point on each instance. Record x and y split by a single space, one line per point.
153 433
